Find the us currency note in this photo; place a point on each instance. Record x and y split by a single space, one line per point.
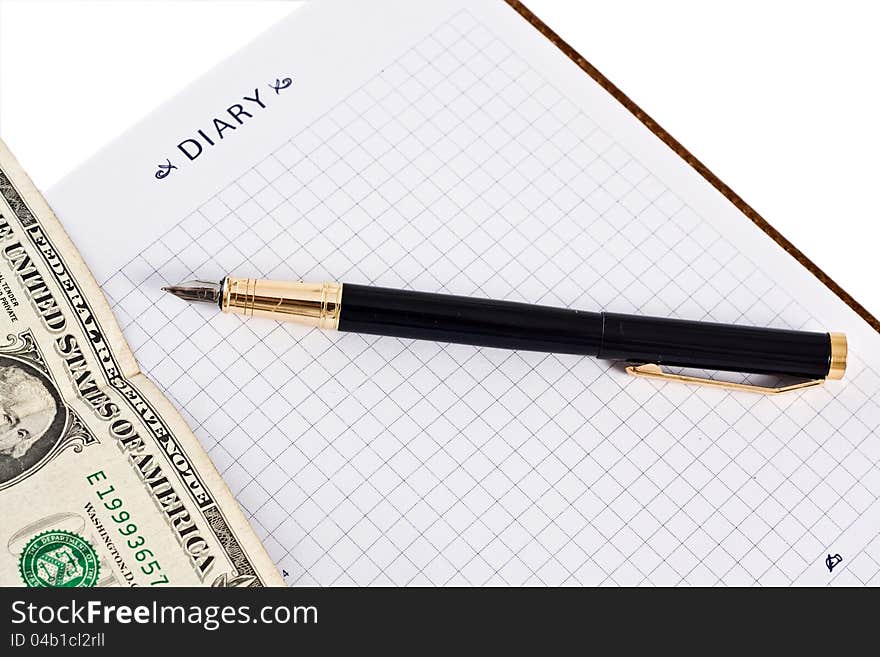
101 481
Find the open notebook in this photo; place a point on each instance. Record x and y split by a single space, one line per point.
453 147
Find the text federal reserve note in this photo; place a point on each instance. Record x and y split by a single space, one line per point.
101 481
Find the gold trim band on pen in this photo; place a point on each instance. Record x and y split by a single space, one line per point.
837 363
312 304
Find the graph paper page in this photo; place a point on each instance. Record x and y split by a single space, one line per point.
449 147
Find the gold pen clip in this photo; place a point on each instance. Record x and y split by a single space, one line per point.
654 371
836 369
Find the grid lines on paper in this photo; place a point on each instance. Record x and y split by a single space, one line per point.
365 460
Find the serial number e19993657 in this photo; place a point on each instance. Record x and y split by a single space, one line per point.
135 542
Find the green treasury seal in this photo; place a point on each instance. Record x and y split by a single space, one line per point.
59 558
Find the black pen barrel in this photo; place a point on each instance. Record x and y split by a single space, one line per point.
632 338
469 320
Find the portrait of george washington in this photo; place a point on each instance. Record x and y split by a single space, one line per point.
31 417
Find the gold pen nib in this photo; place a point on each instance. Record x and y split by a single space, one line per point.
201 291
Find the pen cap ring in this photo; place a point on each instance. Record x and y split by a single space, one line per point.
313 304
837 362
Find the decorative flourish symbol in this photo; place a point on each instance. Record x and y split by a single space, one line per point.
832 561
164 169
281 84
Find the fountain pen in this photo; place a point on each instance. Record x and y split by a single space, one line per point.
648 343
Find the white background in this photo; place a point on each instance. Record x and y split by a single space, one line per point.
779 99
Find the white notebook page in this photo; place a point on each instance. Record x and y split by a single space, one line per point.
449 147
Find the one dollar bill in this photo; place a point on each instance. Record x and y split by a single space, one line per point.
101 481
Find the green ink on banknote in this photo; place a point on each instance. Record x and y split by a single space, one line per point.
59 558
